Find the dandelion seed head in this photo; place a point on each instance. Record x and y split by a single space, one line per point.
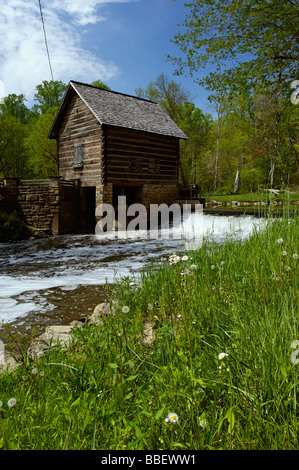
125 309
295 256
280 241
186 271
284 253
11 402
193 267
203 422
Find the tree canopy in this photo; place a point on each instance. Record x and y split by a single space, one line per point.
244 42
100 84
48 95
167 93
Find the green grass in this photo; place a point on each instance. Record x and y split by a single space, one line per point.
254 197
112 390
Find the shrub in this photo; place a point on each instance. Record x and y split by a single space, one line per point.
12 228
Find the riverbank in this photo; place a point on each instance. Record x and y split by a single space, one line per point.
266 197
221 359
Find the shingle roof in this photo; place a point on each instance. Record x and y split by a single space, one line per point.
117 109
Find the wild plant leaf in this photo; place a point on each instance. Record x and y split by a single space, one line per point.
160 412
113 365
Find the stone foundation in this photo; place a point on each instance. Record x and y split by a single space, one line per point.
104 194
159 194
63 206
52 205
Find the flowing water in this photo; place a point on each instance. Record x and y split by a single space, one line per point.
58 279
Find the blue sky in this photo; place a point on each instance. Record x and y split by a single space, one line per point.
122 42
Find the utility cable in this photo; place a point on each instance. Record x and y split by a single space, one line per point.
46 42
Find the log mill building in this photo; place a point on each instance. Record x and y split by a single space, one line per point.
117 144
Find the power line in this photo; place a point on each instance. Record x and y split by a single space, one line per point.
46 42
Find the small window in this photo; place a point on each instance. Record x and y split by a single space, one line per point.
78 155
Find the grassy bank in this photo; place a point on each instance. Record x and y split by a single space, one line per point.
266 197
222 360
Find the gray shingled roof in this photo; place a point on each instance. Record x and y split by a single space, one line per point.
117 109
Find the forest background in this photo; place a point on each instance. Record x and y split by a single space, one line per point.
252 133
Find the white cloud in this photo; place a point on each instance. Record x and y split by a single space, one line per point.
23 58
83 13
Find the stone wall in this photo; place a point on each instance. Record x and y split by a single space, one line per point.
62 206
52 205
39 202
104 194
159 194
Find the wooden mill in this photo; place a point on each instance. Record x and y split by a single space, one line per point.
117 144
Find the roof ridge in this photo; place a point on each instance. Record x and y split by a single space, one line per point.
112 91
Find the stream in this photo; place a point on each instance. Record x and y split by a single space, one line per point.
62 278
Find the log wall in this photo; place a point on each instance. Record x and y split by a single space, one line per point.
140 157
80 125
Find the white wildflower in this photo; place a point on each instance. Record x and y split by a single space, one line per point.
222 355
172 418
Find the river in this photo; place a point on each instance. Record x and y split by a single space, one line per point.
58 279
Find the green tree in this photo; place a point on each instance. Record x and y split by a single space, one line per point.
13 162
14 105
198 127
245 41
167 93
48 95
100 84
41 151
277 132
